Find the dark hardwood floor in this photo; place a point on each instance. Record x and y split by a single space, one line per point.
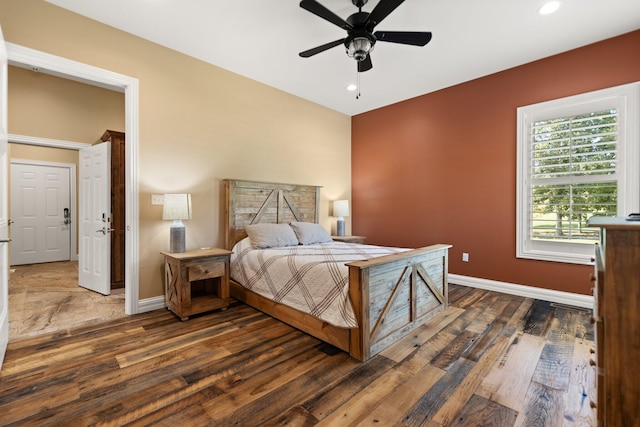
490 360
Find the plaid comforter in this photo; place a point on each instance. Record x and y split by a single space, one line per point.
311 278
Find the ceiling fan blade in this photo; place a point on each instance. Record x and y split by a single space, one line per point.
317 9
414 38
381 11
365 64
315 50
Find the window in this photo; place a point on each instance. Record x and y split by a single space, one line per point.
578 157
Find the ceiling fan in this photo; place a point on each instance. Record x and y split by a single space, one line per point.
360 38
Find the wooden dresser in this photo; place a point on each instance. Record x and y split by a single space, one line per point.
617 321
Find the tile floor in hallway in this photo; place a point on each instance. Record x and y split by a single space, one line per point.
45 298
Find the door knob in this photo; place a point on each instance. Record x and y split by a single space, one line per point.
104 230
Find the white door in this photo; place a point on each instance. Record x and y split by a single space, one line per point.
4 220
40 213
94 214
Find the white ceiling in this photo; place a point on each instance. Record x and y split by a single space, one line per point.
261 39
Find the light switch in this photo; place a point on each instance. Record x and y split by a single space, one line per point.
157 199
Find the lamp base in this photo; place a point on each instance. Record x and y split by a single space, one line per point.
340 227
177 237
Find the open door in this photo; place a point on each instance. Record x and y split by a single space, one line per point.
94 219
4 191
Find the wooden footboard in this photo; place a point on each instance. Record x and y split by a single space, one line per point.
394 294
391 296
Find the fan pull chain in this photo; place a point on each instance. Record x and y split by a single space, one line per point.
358 84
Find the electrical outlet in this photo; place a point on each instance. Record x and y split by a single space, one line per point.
465 257
157 199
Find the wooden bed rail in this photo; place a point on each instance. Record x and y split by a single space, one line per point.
394 294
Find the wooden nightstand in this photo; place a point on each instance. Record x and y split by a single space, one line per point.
349 239
196 281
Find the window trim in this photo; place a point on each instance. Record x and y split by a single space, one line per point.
626 98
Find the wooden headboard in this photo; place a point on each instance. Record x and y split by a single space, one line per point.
251 202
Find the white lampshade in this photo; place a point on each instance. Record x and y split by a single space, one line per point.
176 206
341 208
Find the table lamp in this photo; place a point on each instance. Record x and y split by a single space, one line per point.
176 207
340 209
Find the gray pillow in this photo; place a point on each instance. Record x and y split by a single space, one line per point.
271 235
309 233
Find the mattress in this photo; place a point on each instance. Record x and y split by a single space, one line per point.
310 278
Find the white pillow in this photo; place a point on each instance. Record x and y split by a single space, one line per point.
309 233
271 235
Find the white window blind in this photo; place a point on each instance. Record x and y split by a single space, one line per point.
578 157
573 175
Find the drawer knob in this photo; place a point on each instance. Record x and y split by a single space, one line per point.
592 277
592 362
592 320
592 404
592 350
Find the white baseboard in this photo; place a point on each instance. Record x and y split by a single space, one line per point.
150 304
568 298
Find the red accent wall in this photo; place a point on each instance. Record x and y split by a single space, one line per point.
441 168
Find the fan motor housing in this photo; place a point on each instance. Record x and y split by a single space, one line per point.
358 21
359 3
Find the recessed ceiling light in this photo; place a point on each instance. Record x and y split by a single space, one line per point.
549 8
351 87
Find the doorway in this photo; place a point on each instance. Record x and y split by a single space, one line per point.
28 58
44 288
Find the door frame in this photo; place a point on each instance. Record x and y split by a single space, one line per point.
73 249
24 57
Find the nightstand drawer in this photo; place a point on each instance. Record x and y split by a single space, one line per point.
205 269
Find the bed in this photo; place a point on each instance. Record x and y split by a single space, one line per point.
390 295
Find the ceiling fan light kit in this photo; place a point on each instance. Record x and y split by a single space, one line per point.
359 47
361 38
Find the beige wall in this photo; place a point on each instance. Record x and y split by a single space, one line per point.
31 152
45 106
198 124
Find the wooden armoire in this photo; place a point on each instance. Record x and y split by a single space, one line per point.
117 206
